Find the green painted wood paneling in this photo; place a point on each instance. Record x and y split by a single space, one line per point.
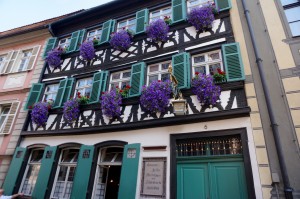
137 79
34 95
14 171
82 173
74 41
99 86
60 93
129 171
68 90
178 10
142 20
223 4
41 185
51 42
80 39
181 69
107 29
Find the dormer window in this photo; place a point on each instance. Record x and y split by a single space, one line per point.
161 14
128 24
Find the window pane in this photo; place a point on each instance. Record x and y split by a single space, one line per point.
122 24
199 59
131 21
116 76
165 66
295 28
214 56
201 69
293 14
124 84
126 74
165 77
37 155
153 68
286 2
5 110
88 92
81 83
213 68
70 155
114 85
62 173
153 78
155 13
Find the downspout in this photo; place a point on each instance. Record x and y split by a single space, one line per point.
288 190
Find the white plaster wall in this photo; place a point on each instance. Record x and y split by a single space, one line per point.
157 137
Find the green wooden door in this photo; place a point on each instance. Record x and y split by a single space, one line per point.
211 180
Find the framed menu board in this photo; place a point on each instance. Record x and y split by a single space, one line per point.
154 177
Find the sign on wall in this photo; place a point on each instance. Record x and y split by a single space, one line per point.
154 177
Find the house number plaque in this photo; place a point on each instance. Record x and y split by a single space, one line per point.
153 178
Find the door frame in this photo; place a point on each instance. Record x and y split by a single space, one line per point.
242 132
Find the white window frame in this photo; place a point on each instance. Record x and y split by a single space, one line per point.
97 35
84 87
161 14
64 43
120 80
100 163
200 3
207 62
2 107
51 92
133 25
291 19
66 164
159 72
3 61
30 163
24 61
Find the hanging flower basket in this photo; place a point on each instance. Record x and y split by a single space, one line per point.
87 50
71 110
54 57
111 103
207 92
155 97
121 40
202 17
39 113
158 31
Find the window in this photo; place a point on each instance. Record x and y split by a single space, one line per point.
158 72
4 113
84 86
65 174
191 4
292 10
2 62
108 173
128 24
26 54
207 63
50 92
64 43
31 172
160 14
119 79
94 34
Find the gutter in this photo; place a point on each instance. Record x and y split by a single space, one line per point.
288 190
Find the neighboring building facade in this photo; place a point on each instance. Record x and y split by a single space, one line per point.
202 154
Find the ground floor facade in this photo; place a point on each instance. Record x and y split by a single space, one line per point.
214 159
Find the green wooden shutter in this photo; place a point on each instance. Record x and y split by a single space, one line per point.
223 4
34 95
181 69
41 185
137 79
129 171
60 93
99 85
82 174
74 41
142 19
68 90
14 170
233 62
49 46
80 39
107 29
178 10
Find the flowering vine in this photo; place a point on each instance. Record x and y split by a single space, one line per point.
207 92
54 57
71 110
111 103
39 113
121 40
87 50
155 97
158 30
202 17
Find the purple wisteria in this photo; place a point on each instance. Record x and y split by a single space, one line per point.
202 17
207 92
120 40
87 50
158 30
155 97
111 103
39 114
54 57
71 110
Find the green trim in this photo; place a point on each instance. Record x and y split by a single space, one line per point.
107 29
99 86
142 20
51 42
80 39
74 41
178 11
182 70
137 79
34 95
60 93
223 4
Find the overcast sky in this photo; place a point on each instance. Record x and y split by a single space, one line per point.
16 13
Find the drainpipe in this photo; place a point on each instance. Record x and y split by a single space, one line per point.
288 190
